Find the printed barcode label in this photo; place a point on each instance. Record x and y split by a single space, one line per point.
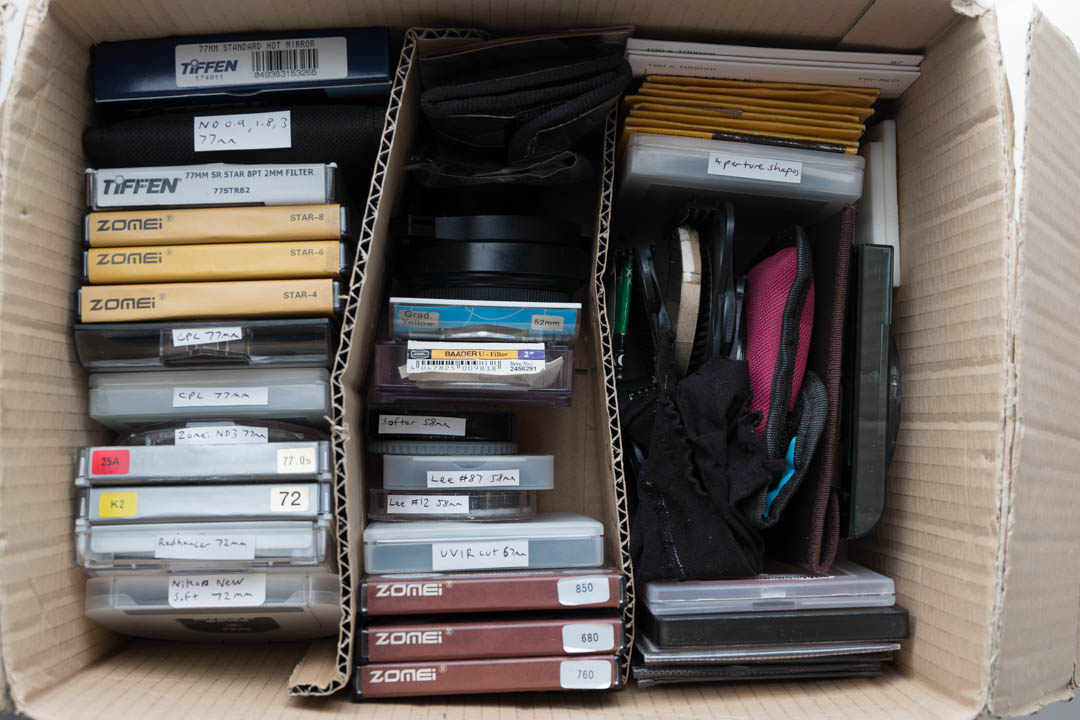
273 60
258 62
475 358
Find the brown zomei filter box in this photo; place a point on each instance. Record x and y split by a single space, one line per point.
433 593
981 522
460 677
462 640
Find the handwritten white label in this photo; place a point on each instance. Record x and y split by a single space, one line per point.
585 674
289 498
213 591
296 460
588 637
221 435
584 590
755 168
427 504
479 555
473 478
185 337
220 396
547 322
179 546
243 131
421 425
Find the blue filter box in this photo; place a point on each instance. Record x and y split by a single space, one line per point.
284 66
429 319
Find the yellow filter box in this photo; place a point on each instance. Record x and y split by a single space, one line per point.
207 263
198 301
199 226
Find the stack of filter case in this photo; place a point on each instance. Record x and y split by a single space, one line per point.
457 497
784 624
207 322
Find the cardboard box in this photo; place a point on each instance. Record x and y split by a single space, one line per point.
981 534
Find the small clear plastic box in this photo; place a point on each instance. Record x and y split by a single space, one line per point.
391 387
280 462
210 546
285 606
660 173
422 318
847 585
468 472
204 503
122 400
552 540
485 506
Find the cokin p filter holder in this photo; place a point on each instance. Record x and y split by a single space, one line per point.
552 540
205 503
203 226
475 506
510 258
206 454
212 185
222 546
474 473
496 592
451 639
506 373
216 262
122 400
280 343
253 607
438 319
459 677
871 410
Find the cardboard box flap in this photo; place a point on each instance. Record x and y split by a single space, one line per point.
886 23
1035 639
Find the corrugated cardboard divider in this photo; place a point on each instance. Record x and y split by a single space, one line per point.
584 437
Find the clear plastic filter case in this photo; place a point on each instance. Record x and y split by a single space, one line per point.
483 506
847 585
484 320
659 173
469 472
195 546
217 607
281 343
552 540
466 372
192 462
204 503
123 400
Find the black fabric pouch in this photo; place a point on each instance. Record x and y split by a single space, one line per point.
530 96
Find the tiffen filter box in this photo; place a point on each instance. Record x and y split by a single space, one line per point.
307 65
211 185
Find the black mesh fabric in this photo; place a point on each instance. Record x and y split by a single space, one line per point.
344 134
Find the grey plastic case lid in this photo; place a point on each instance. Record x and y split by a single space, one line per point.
122 400
552 540
847 585
468 472
659 173
204 503
209 607
281 462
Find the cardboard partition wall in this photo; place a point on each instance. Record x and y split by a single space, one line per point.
981 534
